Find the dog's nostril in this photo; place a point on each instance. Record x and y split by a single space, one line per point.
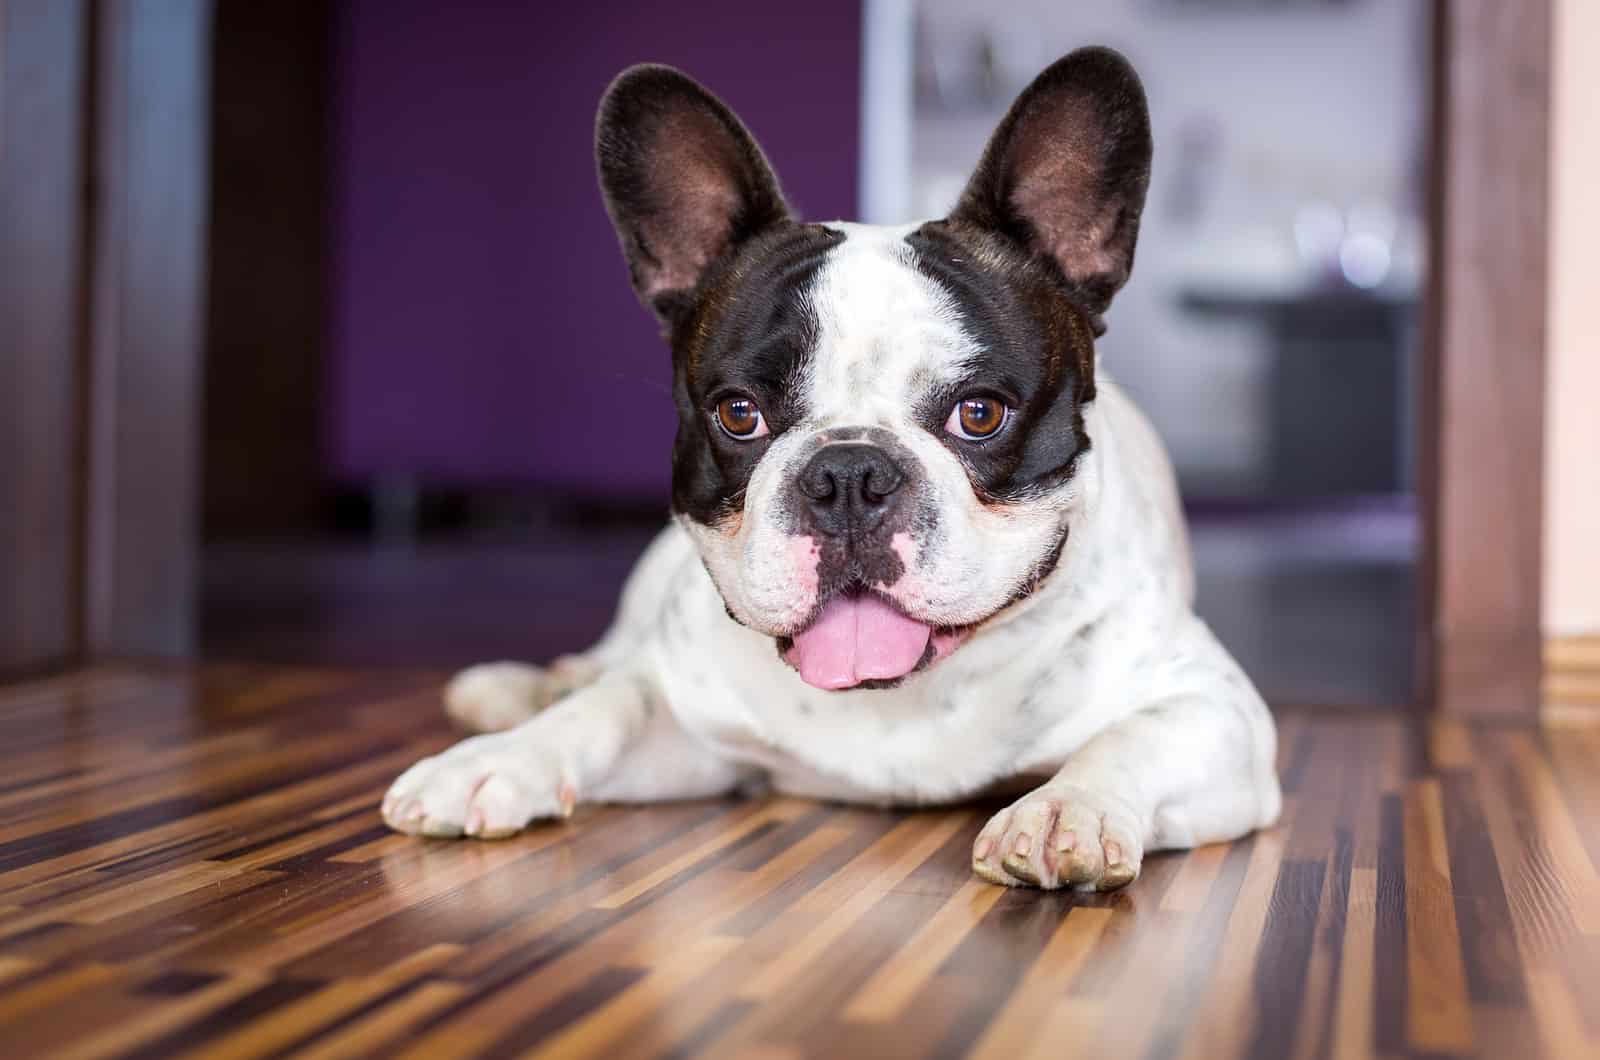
878 482
818 484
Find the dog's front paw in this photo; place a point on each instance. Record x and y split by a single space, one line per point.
497 696
1059 836
488 787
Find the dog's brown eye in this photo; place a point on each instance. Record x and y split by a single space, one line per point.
740 418
977 418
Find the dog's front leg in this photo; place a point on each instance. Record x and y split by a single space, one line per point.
1196 766
614 739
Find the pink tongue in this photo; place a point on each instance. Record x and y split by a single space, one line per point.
858 639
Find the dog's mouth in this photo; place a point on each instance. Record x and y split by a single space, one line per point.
859 639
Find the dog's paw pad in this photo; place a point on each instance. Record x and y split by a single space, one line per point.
1057 837
485 788
498 696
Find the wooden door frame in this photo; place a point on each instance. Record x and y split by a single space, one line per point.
1481 449
103 188
147 283
43 64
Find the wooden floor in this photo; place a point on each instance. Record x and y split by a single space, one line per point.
191 864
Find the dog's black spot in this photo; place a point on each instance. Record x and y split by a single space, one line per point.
712 247
1041 239
750 333
1038 355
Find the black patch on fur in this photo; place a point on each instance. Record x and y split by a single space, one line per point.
712 248
1041 239
748 332
1038 357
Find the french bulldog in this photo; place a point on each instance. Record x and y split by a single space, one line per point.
921 544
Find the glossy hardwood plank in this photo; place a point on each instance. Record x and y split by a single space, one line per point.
191 865
1572 678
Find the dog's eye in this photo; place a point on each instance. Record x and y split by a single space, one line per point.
977 418
741 418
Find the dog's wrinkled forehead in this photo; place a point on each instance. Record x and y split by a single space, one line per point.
886 331
878 325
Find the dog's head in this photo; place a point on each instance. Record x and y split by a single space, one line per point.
878 427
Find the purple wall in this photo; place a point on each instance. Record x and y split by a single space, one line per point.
483 329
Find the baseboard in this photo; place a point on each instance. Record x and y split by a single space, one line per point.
1572 678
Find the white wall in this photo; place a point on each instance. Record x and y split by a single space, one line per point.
1572 425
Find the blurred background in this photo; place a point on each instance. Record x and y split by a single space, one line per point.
437 422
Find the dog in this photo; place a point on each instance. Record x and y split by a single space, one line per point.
921 544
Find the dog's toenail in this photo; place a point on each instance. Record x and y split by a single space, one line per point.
1023 846
1068 840
983 849
1113 854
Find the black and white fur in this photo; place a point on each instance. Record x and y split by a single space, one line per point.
1050 559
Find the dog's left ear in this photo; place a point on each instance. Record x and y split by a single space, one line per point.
1065 174
683 179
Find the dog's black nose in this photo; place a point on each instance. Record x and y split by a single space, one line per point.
850 487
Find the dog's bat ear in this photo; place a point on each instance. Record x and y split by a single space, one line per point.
1065 173
684 181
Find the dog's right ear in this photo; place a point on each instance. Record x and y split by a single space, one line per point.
684 182
1065 174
